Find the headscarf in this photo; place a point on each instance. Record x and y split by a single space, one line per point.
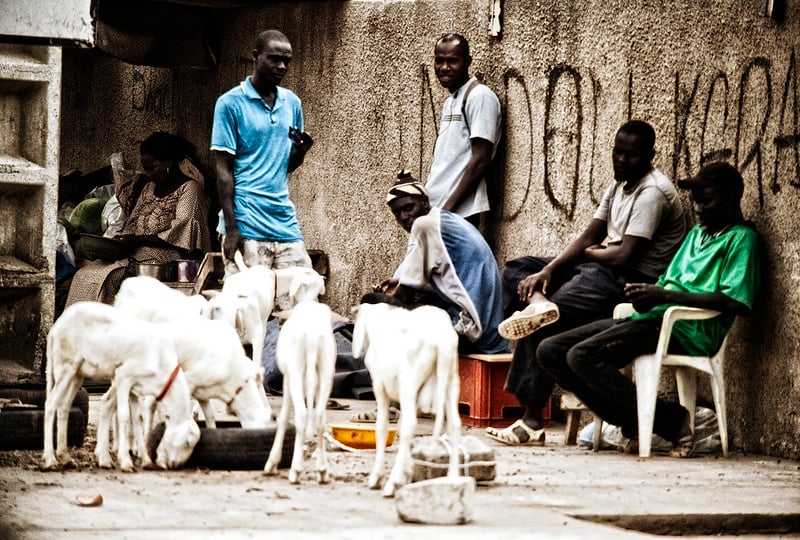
406 186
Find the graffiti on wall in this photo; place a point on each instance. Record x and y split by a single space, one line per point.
750 117
152 92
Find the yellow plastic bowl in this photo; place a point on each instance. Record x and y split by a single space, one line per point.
362 438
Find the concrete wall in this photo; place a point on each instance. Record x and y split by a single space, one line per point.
716 79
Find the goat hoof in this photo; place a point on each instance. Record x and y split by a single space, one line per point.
323 477
388 491
294 477
49 465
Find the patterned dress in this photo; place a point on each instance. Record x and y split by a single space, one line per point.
178 219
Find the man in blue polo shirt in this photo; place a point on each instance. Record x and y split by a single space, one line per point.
258 138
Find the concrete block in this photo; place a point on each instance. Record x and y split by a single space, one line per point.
431 458
438 501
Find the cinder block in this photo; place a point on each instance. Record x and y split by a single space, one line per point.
432 458
439 501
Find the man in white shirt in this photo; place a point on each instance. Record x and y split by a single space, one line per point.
468 134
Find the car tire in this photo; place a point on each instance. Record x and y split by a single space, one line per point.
231 448
22 428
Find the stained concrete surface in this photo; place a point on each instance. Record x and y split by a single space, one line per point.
550 492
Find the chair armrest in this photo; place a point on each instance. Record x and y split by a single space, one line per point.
677 313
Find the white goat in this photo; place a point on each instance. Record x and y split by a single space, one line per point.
209 352
95 340
247 299
306 355
412 357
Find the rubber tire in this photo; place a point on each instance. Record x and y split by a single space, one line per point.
35 394
23 428
231 448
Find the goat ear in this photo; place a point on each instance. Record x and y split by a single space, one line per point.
239 260
239 321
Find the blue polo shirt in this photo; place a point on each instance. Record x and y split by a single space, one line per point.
258 136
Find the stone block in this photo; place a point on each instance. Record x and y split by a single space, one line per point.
438 501
431 458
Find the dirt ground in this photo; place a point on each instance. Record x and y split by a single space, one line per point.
553 491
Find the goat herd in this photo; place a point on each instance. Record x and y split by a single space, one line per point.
161 348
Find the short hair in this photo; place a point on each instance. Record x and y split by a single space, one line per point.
642 130
163 145
462 41
263 39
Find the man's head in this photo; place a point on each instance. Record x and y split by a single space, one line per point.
271 54
717 191
634 148
408 200
451 61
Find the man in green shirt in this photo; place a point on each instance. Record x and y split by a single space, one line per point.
717 267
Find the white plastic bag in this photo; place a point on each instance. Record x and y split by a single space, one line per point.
62 245
112 218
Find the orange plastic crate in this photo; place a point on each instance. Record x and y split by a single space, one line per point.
483 400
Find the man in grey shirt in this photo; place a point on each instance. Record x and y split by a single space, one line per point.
632 237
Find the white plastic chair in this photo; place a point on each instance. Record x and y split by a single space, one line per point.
647 371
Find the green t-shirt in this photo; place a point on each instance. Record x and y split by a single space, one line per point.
727 262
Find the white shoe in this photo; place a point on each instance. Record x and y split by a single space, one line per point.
529 320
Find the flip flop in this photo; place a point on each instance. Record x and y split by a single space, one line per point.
334 405
369 417
507 435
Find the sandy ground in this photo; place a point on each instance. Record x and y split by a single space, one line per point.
553 491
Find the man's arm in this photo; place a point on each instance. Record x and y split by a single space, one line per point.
225 190
619 256
478 163
594 233
646 296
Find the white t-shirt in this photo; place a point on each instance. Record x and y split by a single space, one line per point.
651 210
453 148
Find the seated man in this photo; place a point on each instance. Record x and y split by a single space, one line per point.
642 221
449 264
716 268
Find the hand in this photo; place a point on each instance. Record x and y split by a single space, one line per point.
231 243
645 296
302 140
533 283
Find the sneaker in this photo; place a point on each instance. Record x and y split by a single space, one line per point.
529 320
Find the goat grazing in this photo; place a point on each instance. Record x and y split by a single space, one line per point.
209 352
306 355
412 357
95 340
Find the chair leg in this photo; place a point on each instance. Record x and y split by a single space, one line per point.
646 368
720 403
571 429
687 390
598 433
